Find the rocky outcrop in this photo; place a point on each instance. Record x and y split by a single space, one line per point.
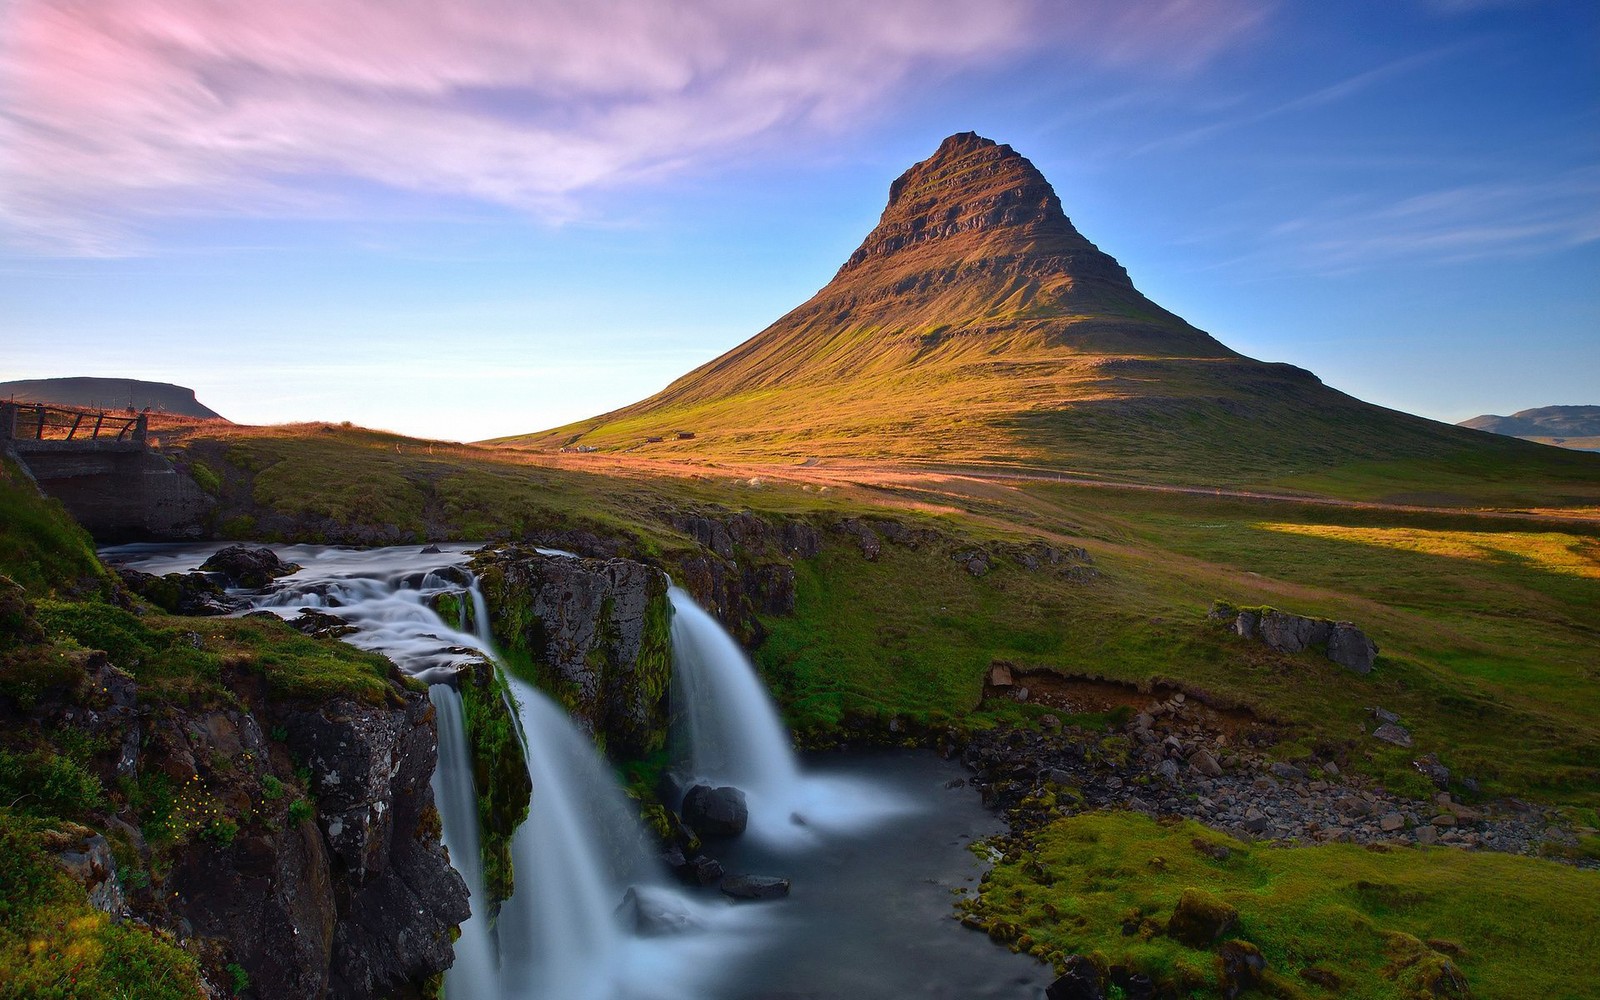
181 593
596 632
295 841
1341 642
247 566
352 899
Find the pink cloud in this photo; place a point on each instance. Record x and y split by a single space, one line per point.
112 110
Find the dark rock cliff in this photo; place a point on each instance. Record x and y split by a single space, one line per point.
285 842
595 633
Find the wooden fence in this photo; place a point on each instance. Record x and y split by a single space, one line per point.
28 422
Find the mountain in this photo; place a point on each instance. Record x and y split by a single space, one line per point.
109 394
975 324
1567 426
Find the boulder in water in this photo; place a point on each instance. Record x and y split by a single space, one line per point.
654 914
715 812
247 567
755 887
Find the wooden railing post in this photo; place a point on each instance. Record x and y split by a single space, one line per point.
8 421
141 428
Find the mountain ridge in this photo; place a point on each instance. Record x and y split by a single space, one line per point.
1576 427
95 392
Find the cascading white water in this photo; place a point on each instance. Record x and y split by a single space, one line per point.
735 737
474 972
734 731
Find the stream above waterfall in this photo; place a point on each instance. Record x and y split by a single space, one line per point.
877 844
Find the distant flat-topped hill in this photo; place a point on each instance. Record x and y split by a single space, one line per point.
976 325
109 394
1565 426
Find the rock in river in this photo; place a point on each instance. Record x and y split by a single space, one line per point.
715 812
755 886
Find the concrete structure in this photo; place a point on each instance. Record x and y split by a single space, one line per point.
100 467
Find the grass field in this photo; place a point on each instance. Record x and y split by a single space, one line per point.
1487 625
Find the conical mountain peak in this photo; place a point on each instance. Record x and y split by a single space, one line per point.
975 199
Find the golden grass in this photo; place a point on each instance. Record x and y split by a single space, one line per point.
1553 551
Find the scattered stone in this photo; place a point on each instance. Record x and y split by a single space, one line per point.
1391 822
1427 835
715 812
1216 852
1000 675
1079 981
1391 733
433 550
1240 965
1204 763
755 886
1167 770
1200 919
705 871
320 624
1429 767
91 864
1288 772
1384 715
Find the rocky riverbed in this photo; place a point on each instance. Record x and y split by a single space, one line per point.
1179 757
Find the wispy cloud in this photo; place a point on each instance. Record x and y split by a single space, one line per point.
112 111
1330 93
1492 219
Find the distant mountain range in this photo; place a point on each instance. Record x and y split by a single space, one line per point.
1568 426
109 394
976 325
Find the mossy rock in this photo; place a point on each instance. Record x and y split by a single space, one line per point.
1201 919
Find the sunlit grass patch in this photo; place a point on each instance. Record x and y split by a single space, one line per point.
1553 551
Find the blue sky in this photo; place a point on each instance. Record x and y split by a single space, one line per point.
523 212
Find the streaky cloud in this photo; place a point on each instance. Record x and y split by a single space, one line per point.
114 114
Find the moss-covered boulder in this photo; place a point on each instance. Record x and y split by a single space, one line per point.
1201 919
595 633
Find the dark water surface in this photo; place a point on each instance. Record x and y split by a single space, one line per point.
870 913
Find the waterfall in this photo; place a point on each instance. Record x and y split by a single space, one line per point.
565 934
474 971
734 736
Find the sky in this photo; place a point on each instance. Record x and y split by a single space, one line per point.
478 218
